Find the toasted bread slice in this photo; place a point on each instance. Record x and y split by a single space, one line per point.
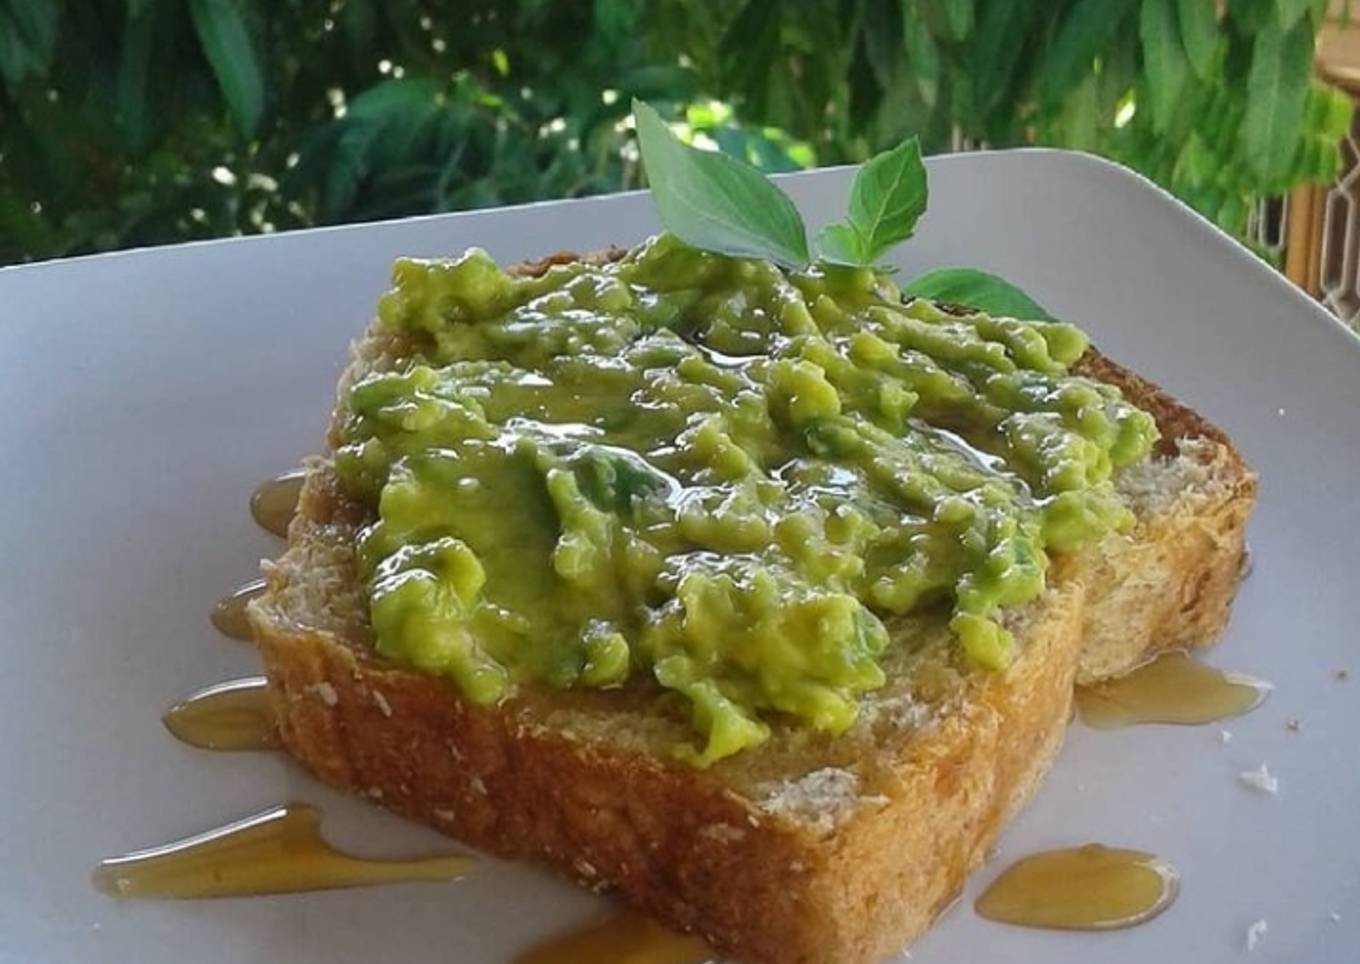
805 849
808 848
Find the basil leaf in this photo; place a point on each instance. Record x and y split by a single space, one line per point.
887 198
840 244
977 289
715 202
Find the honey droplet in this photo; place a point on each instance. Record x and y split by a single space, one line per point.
274 503
1081 888
1173 688
234 715
277 851
627 937
229 614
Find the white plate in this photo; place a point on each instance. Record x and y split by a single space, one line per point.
143 395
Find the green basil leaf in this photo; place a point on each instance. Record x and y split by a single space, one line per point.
715 202
887 198
1164 60
1199 34
1277 87
977 289
841 244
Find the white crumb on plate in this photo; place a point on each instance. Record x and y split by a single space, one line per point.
1260 779
1255 933
1336 918
1293 725
1282 412
1225 736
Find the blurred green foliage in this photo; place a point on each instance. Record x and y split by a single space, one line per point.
129 122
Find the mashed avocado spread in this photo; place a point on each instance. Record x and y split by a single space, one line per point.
714 471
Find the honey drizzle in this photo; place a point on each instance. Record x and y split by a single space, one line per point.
1081 888
627 937
274 852
1173 688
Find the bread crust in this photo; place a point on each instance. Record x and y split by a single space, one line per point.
1170 583
810 850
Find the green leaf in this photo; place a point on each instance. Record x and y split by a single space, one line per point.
923 56
1195 163
225 36
1339 110
716 202
1164 62
1288 12
958 17
841 244
28 37
36 22
1277 87
134 70
1085 34
357 19
882 45
748 50
1199 34
1081 116
996 49
887 198
977 289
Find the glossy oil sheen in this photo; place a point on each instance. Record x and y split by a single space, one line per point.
627 937
1174 688
234 715
277 851
273 503
1093 887
229 614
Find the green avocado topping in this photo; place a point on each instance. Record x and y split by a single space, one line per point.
717 472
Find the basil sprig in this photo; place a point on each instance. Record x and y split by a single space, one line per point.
887 198
718 203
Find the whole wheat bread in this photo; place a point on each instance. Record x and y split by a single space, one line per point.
809 848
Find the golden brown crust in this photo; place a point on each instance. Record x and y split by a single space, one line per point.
1170 583
712 851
